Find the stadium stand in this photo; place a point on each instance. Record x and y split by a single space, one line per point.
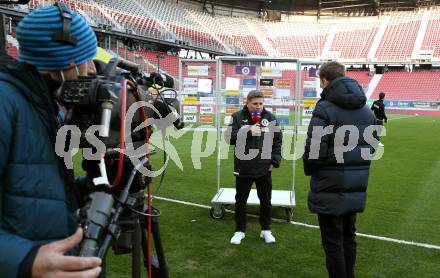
167 62
294 39
179 23
432 36
417 85
395 36
353 41
363 77
239 35
400 36
303 37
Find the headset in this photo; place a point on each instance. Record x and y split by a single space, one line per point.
65 35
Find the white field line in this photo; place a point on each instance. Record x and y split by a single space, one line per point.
388 239
404 117
213 129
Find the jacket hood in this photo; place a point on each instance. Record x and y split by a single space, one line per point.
346 93
26 79
33 86
5 59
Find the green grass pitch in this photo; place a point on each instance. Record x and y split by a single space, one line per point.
403 203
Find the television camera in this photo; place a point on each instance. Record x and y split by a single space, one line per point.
118 213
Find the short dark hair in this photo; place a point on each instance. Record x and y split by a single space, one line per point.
254 94
381 95
331 70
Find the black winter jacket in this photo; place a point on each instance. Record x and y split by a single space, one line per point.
259 165
379 110
37 206
339 187
5 59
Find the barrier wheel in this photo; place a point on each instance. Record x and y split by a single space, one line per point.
217 212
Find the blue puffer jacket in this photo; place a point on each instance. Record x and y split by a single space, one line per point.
336 187
36 205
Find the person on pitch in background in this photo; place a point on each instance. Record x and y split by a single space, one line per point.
378 108
38 195
249 131
338 188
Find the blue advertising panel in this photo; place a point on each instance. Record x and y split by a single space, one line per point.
232 100
283 121
251 82
310 93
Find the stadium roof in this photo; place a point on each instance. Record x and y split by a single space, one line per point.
367 7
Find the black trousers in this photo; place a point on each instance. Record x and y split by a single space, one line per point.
339 242
264 190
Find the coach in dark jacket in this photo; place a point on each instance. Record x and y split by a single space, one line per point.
257 139
339 172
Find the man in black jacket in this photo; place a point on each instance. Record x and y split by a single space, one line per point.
336 163
378 108
257 139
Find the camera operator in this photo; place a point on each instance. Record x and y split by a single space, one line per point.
38 198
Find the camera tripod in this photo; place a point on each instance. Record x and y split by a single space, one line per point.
122 222
133 239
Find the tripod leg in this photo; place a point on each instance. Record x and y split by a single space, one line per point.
144 248
136 250
162 272
103 269
159 249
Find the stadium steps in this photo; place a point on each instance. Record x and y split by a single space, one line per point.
432 37
207 30
262 39
398 41
421 34
329 42
373 84
394 36
144 5
378 38
115 24
82 7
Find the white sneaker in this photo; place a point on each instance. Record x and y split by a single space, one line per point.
267 236
381 145
237 237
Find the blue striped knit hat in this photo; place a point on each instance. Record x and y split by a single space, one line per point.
35 37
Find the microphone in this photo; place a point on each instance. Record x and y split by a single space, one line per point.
256 116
